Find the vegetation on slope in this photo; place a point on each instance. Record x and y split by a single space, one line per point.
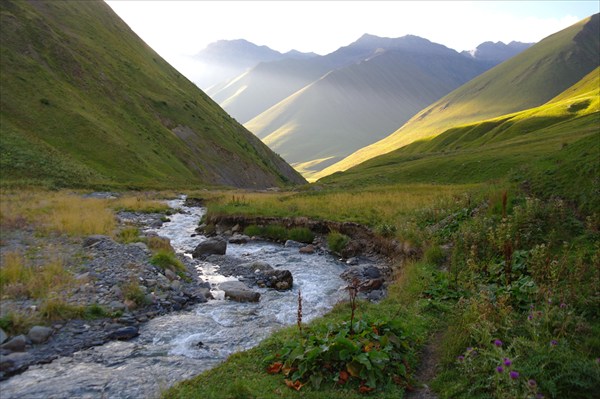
561 134
86 102
527 80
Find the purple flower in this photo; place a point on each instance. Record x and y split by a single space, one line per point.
563 305
461 358
514 374
469 349
539 396
507 362
532 383
530 317
499 369
554 342
498 342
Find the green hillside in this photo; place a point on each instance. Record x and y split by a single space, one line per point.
556 145
86 102
527 80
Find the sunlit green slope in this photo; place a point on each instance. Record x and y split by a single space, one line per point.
557 143
527 80
85 102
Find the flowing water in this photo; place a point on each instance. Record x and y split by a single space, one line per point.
180 345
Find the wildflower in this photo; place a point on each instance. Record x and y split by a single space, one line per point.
514 374
554 342
530 317
507 362
549 301
498 342
539 396
563 305
460 358
499 369
532 383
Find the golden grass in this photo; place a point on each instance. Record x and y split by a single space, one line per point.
20 279
140 203
388 204
60 212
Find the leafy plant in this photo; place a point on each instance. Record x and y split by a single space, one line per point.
366 355
301 234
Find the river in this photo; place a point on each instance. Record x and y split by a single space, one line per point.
182 344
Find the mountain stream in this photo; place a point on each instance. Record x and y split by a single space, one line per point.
180 345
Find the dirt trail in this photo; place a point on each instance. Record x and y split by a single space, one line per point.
427 369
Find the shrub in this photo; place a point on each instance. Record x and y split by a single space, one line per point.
129 235
253 231
157 243
57 309
133 292
301 234
166 259
337 241
386 230
275 232
434 255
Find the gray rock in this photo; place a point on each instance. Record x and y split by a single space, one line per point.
140 245
94 240
239 239
124 333
242 295
238 291
39 334
170 274
371 272
116 305
175 285
257 266
352 261
3 336
16 344
281 280
212 246
293 244
14 362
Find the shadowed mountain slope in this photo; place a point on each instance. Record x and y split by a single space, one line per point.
527 80
354 106
85 102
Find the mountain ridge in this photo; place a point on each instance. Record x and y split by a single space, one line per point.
529 79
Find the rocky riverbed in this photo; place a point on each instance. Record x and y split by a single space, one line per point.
167 332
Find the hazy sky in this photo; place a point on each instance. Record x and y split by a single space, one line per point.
178 29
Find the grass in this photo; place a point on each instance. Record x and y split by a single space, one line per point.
69 118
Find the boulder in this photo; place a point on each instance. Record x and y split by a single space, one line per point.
309 249
16 344
293 244
212 246
170 274
280 280
39 334
238 291
124 333
239 239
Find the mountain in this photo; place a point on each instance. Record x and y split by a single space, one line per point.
225 59
497 52
353 106
527 80
268 83
85 102
553 147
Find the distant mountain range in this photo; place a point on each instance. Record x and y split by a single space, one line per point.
315 111
497 52
85 102
527 80
225 59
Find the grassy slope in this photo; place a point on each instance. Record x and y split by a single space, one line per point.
562 134
86 102
528 80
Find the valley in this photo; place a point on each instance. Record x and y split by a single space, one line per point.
159 240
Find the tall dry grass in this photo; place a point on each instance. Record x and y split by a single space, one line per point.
60 212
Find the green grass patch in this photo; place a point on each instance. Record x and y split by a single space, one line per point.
337 241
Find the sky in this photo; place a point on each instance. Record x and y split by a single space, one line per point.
179 29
